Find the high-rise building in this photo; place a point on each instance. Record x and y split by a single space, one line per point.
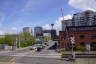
86 18
51 33
66 23
38 32
27 29
47 32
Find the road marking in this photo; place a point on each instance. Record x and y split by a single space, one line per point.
13 61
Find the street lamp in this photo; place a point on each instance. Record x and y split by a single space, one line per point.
71 39
52 25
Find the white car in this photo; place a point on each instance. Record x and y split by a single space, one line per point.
34 48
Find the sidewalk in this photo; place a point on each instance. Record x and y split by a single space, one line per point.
23 48
17 50
5 51
7 60
78 52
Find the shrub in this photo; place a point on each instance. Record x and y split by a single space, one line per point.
93 48
68 49
61 50
80 48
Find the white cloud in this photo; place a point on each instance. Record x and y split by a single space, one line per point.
47 27
1 32
69 16
11 30
83 4
57 24
32 5
14 29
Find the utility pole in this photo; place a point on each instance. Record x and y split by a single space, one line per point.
67 35
18 40
71 39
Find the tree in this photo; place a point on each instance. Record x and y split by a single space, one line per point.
8 39
2 40
26 39
47 38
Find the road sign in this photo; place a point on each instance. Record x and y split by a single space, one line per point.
72 39
88 47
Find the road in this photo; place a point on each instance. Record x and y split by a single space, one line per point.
46 56
25 50
13 56
31 60
50 57
40 60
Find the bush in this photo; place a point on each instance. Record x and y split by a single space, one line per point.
80 48
93 48
61 50
68 49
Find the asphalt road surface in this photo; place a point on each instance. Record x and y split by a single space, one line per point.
46 56
34 60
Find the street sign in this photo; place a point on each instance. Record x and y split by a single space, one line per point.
88 47
72 39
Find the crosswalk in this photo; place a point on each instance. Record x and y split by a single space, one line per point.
7 60
44 54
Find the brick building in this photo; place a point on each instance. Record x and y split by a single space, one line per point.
84 35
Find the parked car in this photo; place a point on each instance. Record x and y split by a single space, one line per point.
39 49
33 47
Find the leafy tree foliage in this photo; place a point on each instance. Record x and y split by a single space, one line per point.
47 38
26 39
8 39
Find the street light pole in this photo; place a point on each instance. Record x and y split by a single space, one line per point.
52 32
52 26
71 39
18 40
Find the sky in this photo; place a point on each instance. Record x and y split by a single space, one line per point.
16 14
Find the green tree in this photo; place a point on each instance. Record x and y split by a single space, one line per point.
47 38
2 40
8 39
26 39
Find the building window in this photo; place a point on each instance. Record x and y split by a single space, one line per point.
82 44
62 38
82 36
93 35
93 44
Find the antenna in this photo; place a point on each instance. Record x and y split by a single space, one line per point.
62 13
65 24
